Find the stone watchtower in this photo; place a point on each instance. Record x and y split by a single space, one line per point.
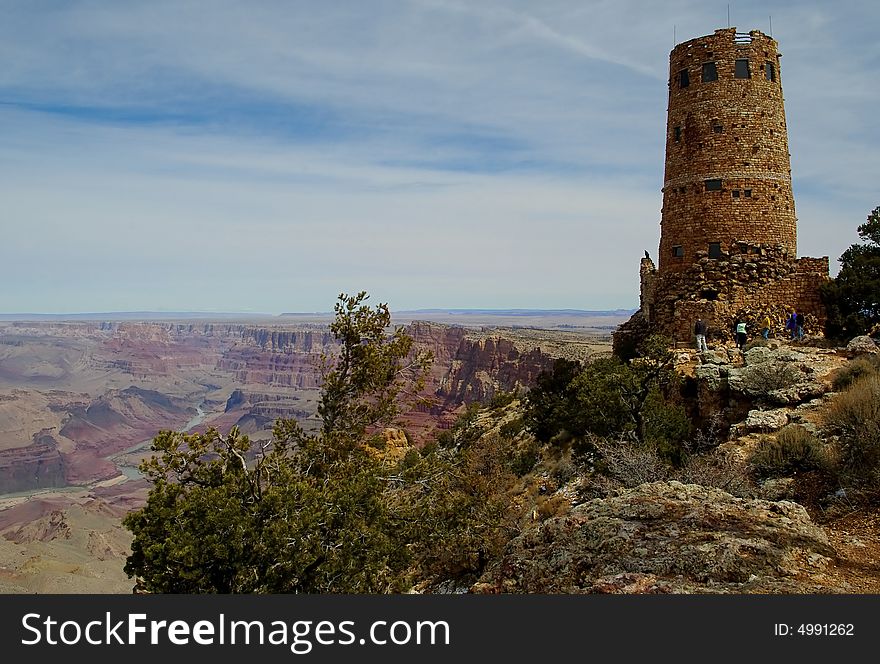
728 230
728 175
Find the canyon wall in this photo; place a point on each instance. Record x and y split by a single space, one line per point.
95 390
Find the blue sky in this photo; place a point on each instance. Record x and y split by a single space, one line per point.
265 156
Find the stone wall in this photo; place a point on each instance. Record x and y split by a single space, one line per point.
753 282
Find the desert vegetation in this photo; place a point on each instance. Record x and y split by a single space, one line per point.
346 509
852 299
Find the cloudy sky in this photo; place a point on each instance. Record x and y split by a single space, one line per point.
265 156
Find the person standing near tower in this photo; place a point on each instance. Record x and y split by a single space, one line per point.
700 334
741 334
791 324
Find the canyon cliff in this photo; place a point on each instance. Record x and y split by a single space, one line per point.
76 398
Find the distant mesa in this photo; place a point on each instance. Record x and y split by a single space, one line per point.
150 316
521 312
133 316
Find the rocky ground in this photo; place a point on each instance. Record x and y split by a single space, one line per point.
674 537
669 537
664 536
856 539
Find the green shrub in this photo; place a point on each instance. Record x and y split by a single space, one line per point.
465 430
502 399
610 398
793 450
458 514
850 298
551 405
667 427
525 458
512 429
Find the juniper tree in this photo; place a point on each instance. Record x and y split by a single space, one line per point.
300 513
852 299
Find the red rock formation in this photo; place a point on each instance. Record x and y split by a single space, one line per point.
37 466
468 366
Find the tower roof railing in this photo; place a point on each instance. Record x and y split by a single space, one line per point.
742 38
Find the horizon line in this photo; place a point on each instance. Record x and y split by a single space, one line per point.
145 314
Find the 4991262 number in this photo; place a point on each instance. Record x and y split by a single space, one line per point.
825 629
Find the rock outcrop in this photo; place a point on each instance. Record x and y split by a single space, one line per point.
665 537
754 386
40 465
471 365
475 365
863 345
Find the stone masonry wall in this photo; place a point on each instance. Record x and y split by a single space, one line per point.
752 282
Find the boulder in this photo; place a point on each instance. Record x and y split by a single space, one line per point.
716 357
863 345
766 420
757 355
711 376
796 394
788 355
669 537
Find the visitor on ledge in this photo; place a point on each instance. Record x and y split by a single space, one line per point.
700 334
791 323
740 334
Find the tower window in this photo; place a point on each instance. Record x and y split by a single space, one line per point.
684 79
748 193
717 128
713 185
677 251
742 69
677 133
735 193
714 250
710 72
770 71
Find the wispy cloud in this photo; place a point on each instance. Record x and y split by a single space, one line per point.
265 156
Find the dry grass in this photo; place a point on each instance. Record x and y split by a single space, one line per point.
854 416
857 368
